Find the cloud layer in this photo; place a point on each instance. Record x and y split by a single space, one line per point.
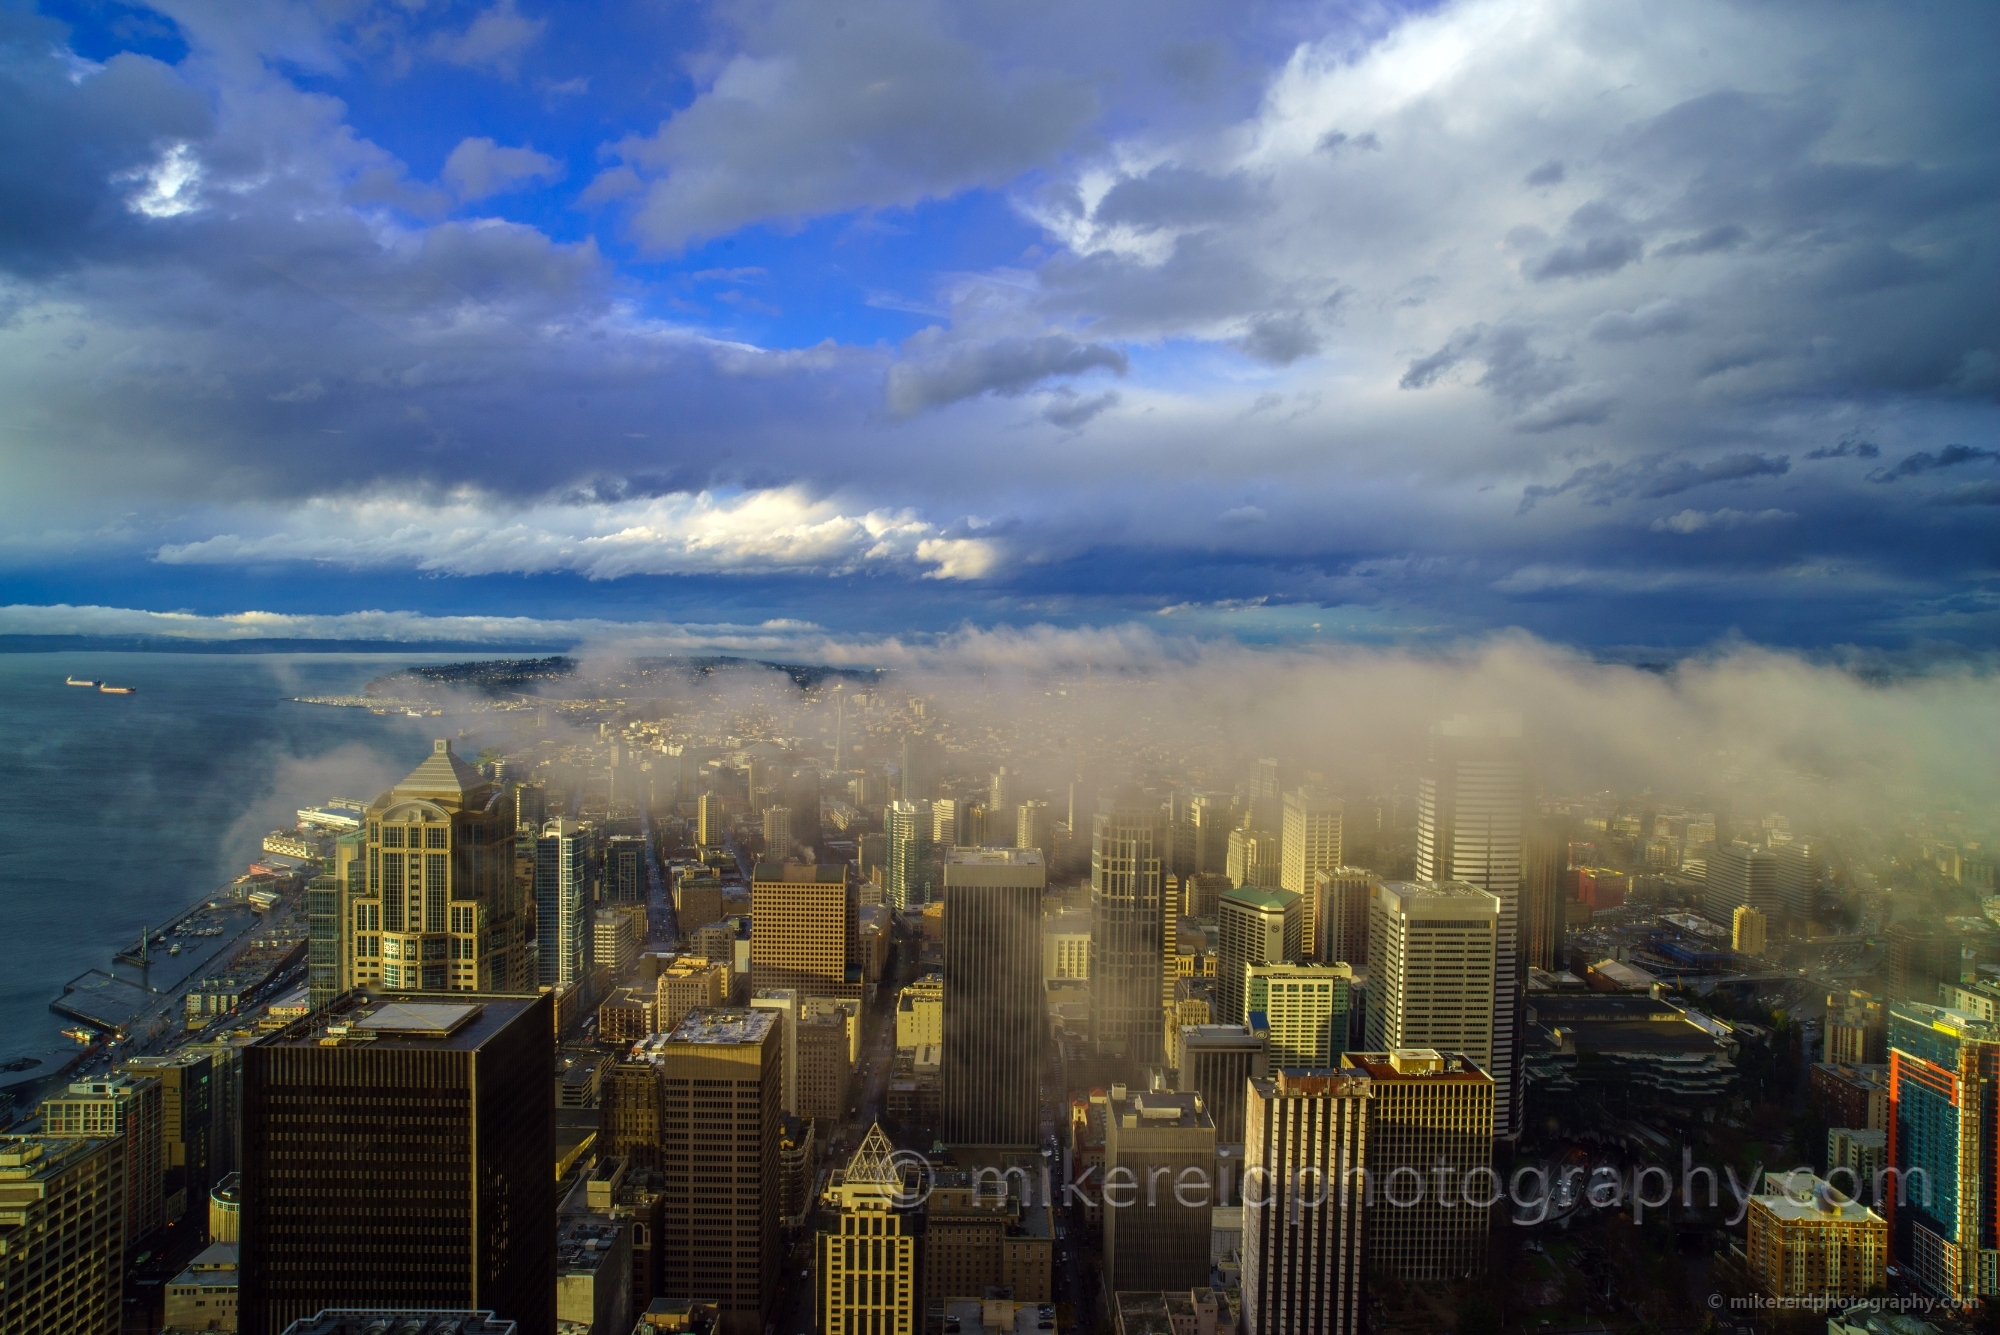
1667 321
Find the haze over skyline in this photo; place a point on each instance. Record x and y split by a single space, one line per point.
772 324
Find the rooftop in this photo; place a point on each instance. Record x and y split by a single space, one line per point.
404 1020
1258 897
585 1242
1433 895
995 857
401 1321
1414 1064
799 873
723 1025
442 775
1802 1197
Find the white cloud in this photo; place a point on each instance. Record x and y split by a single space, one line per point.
496 40
469 533
170 187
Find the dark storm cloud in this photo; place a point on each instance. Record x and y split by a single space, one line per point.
1599 255
1923 461
1280 340
1067 408
1847 449
1172 196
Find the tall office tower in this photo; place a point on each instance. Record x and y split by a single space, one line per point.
560 929
1304 1007
1748 930
918 779
975 830
1341 898
1213 816
1255 927
944 822
127 1107
189 1126
777 833
906 828
440 909
995 1008
1002 793
1306 1133
1155 1241
397 1152
625 869
868 1251
1472 800
1217 1061
1543 913
1266 801
720 1084
63 1264
1737 875
323 936
784 1001
1433 1112
825 1063
1253 859
1856 1030
708 821
614 938
1310 844
1944 1081
1031 827
1126 888
1202 893
1920 957
531 806
1800 873
1431 961
800 931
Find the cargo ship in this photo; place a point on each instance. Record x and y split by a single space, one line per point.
80 681
117 690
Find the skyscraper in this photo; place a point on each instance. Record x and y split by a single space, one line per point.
1213 817
1431 1124
868 1252
1001 793
1032 829
323 935
560 928
64 1262
1306 1138
1304 1008
1340 896
398 1152
1255 927
1944 1095
800 930
1740 874
190 1123
1309 844
1431 962
126 1107
720 1081
995 1008
1216 1061
1253 858
1157 1239
1472 800
906 828
777 833
1126 890
625 869
438 909
708 821
1800 870
1543 911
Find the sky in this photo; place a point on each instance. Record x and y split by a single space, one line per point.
773 322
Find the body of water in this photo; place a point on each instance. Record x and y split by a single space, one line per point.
127 808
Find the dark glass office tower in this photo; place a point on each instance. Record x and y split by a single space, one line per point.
994 1004
399 1151
1126 929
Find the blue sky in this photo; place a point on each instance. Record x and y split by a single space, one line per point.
1625 324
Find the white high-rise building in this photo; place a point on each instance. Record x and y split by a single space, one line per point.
1305 1195
1305 1008
906 829
559 925
1431 968
1471 807
1309 843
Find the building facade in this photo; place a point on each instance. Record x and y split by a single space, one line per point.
62 1266
1217 1062
1943 1098
801 927
434 906
444 1100
1803 1239
1432 1110
1472 802
1432 966
1340 898
1304 1009
994 1005
1154 1238
561 927
1127 888
1309 843
1305 1202
127 1108
867 1246
1254 926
